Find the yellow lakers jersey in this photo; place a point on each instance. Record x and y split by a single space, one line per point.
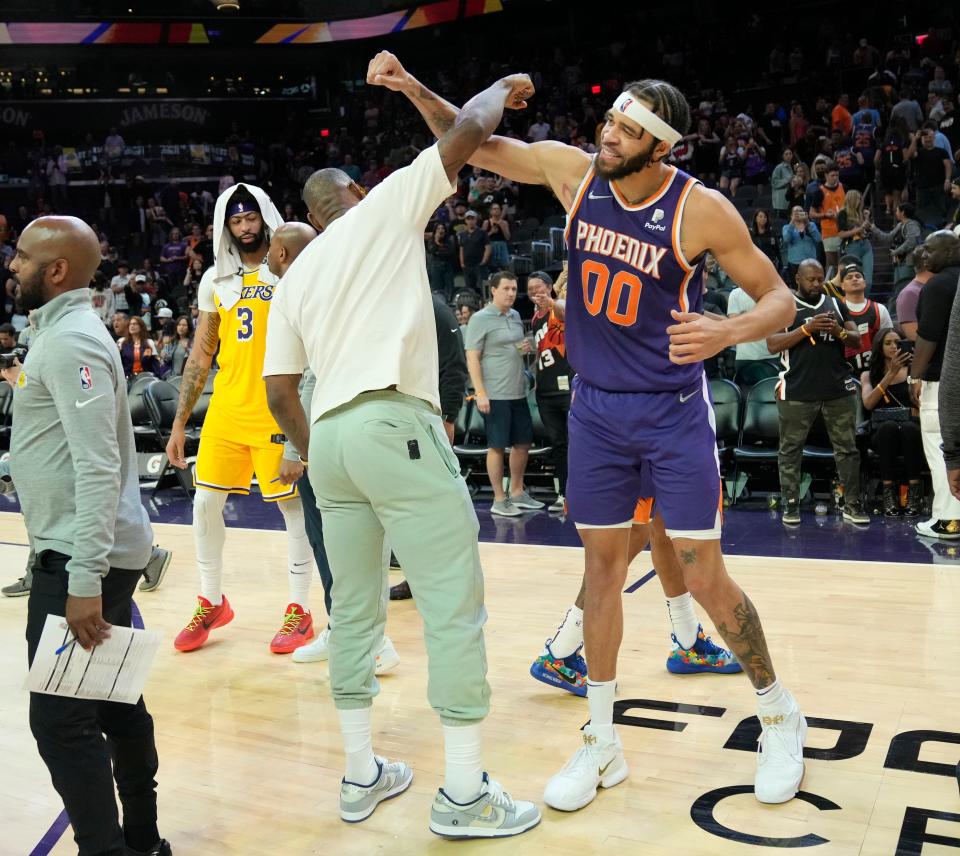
238 409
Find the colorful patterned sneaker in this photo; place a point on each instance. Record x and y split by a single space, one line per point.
568 674
357 802
205 617
493 814
703 658
296 630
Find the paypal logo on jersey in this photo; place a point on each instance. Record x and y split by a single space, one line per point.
653 224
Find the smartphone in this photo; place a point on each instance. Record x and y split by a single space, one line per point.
905 345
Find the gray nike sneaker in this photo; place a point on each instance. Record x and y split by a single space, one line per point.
505 508
21 588
357 802
524 500
493 814
155 569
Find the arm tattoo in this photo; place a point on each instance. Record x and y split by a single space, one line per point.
747 641
441 122
689 557
195 374
437 117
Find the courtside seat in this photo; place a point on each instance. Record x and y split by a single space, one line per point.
727 411
760 438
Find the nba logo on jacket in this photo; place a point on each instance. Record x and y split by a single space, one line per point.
86 379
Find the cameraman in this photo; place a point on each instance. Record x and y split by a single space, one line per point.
802 241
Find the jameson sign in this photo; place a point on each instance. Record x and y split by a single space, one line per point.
164 112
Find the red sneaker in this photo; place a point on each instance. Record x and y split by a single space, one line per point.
296 630
205 618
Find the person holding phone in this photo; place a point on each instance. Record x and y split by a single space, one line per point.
816 380
894 422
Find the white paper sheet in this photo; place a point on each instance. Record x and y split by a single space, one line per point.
116 670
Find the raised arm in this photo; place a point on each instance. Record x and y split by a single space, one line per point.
560 167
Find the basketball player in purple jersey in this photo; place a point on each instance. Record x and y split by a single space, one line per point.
641 422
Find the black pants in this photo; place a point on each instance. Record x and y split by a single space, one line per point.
314 527
81 739
891 439
553 413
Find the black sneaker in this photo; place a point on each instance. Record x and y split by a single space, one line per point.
946 530
791 513
891 504
401 591
853 513
161 848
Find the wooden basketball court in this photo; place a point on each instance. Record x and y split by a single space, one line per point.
250 757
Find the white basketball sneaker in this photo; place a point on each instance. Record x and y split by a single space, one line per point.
314 651
780 755
387 657
598 763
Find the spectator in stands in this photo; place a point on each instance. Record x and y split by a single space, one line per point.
910 294
825 210
933 314
840 118
889 161
113 145
553 372
780 182
940 86
56 171
8 338
894 423
159 222
816 180
755 163
371 178
441 259
539 129
173 354
108 259
495 343
816 380
137 299
801 237
950 127
732 166
350 168
905 237
498 232
866 112
102 298
869 316
765 237
850 162
120 322
933 172
908 111
749 355
468 304
138 352
796 191
474 252
6 233
173 257
193 239
853 223
118 285
706 152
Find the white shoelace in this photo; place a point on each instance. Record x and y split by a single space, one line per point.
498 796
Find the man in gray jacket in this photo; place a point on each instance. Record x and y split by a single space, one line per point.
73 462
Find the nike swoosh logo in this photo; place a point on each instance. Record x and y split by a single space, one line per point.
602 770
80 404
563 677
454 330
684 399
301 564
592 195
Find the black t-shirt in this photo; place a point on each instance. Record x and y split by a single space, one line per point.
553 371
473 244
933 315
817 370
930 169
950 128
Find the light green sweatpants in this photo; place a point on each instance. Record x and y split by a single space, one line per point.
381 467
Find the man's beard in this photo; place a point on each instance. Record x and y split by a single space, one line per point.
250 246
31 291
629 166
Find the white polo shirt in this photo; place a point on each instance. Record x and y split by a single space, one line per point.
356 306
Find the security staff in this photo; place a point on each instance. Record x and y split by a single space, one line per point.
73 462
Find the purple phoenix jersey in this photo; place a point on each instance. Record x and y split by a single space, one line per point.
626 272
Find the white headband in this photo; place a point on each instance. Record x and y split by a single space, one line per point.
646 118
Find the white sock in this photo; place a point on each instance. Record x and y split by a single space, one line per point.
569 635
209 533
358 745
600 701
464 770
773 701
683 617
300 562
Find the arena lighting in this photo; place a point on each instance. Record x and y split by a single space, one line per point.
226 4
324 132
922 38
595 89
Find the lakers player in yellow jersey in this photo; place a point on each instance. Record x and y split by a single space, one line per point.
239 438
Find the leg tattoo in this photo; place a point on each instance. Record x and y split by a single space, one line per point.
746 640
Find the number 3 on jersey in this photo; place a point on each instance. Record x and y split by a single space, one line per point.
595 277
245 317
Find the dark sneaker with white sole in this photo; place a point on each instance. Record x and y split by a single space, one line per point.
853 513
